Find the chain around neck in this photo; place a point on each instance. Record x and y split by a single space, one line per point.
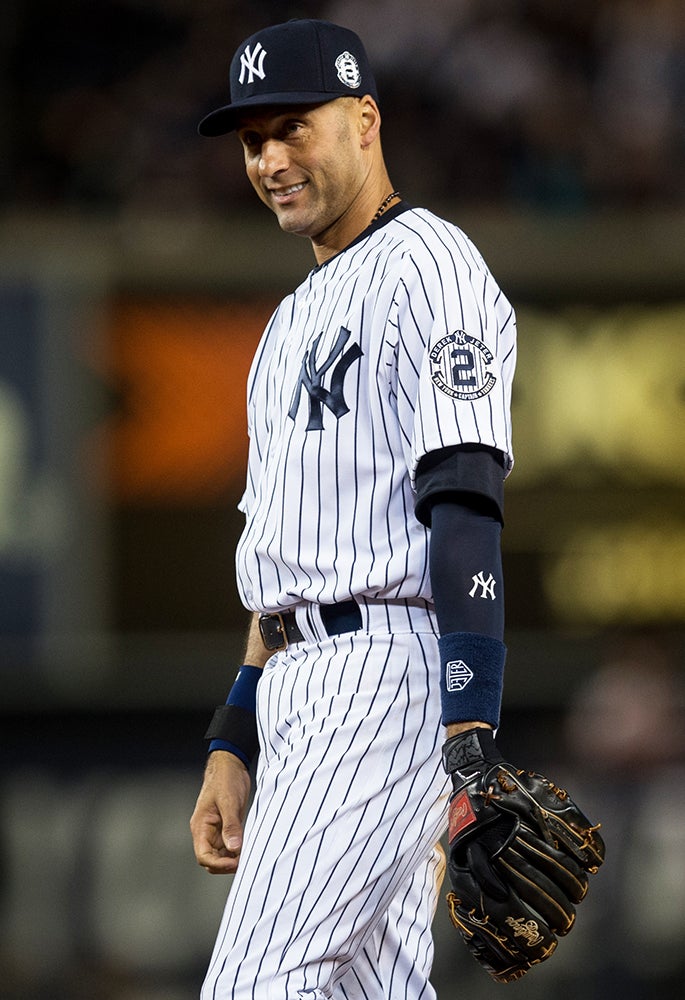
384 204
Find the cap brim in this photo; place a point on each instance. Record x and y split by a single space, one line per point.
224 120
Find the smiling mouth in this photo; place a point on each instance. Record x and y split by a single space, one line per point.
283 195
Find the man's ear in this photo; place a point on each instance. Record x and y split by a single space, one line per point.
369 120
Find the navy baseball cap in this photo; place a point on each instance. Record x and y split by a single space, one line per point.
299 62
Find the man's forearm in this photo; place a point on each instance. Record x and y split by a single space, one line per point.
256 653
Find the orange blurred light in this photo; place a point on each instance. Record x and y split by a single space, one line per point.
179 434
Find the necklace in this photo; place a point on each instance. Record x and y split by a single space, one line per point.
384 204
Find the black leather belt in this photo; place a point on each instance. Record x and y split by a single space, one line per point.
280 629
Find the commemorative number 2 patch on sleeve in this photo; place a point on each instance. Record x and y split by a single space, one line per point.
461 366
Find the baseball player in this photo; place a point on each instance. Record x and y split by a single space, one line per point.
380 439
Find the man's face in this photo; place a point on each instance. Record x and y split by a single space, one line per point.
305 163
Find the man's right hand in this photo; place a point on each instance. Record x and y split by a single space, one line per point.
217 821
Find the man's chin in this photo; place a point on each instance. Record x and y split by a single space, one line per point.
290 222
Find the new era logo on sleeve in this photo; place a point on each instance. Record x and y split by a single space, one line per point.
457 675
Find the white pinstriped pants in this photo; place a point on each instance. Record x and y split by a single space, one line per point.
340 870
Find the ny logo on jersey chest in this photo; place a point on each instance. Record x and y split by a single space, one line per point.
313 373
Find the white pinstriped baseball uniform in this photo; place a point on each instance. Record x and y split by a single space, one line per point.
400 345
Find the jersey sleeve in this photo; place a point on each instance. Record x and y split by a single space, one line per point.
456 351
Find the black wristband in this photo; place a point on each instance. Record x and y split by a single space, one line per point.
237 726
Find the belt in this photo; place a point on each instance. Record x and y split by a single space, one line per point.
281 628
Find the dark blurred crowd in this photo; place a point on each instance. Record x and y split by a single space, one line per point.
536 103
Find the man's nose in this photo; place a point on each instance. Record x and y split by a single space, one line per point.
273 157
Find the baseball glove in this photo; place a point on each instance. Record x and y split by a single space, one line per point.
520 851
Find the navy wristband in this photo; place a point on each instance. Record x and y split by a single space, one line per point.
244 690
234 725
231 748
471 677
235 729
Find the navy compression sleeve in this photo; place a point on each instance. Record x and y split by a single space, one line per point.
466 576
466 570
460 496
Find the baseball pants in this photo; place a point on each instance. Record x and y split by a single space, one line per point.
341 867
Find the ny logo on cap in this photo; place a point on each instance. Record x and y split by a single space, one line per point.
252 63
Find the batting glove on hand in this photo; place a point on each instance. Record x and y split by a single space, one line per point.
520 851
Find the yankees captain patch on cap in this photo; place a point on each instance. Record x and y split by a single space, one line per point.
299 62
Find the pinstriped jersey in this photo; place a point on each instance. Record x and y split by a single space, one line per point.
399 345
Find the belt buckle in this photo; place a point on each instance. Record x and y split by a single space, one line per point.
272 629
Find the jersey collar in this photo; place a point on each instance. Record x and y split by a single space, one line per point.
388 216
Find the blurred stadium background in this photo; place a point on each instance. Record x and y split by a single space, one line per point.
136 272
